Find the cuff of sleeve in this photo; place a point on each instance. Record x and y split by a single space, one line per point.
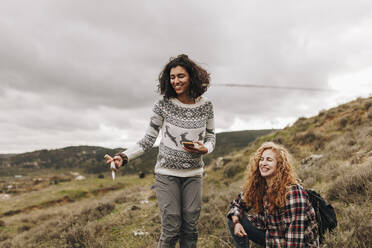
124 157
230 215
133 152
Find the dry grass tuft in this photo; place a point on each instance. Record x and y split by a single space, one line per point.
231 170
354 228
3 237
98 212
354 186
81 236
23 228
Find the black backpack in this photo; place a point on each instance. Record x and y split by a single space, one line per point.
325 213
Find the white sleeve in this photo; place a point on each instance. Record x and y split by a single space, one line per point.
210 136
152 132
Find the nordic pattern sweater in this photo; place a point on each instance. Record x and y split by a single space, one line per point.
178 122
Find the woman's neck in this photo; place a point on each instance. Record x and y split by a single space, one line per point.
186 99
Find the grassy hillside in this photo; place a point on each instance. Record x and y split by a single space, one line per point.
123 213
341 170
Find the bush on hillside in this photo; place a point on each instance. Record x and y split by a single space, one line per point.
310 138
367 104
232 169
353 229
370 113
309 176
344 147
81 236
353 187
302 124
343 122
3 237
98 212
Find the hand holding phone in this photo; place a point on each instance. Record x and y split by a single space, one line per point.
188 144
194 147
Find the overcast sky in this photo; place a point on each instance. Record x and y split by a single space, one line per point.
78 72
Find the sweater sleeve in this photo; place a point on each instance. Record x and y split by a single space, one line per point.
210 136
152 132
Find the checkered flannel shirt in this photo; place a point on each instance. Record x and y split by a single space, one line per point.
294 225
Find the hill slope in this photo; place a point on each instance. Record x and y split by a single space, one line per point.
103 213
334 155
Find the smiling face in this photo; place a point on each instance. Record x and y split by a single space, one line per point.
180 80
268 164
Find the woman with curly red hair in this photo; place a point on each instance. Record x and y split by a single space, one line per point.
273 210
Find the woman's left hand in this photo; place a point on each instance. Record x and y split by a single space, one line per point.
197 149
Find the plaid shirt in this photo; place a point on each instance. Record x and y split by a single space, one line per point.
294 225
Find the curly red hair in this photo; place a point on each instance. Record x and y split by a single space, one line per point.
256 186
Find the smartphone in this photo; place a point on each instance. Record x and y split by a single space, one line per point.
188 144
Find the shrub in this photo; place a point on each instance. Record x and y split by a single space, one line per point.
79 236
3 237
322 112
309 175
7 245
353 228
231 170
23 228
302 124
370 113
330 114
353 187
98 212
367 104
121 199
278 140
343 122
309 138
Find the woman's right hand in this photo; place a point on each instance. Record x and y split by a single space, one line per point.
118 160
239 230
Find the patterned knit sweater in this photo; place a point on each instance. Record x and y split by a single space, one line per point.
178 122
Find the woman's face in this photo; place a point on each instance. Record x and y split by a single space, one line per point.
180 80
268 163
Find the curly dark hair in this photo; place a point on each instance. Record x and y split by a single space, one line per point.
199 77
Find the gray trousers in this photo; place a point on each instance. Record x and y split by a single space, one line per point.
179 200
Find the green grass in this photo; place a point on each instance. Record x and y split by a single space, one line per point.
107 218
73 189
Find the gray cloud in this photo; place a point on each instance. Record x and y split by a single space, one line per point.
84 72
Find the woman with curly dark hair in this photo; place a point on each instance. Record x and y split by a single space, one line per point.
186 120
273 210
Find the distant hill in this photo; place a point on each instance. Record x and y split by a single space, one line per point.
228 142
6 156
85 158
89 159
